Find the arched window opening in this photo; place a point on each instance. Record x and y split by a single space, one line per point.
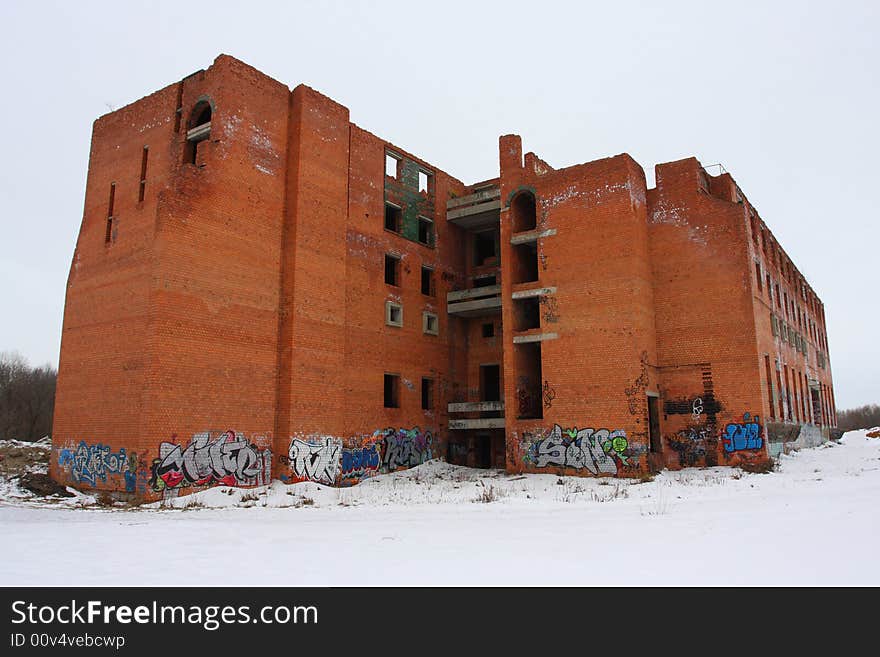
523 209
198 130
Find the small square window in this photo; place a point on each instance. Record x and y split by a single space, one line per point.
391 163
428 281
392 391
393 314
424 181
426 231
430 325
392 270
393 217
427 394
489 330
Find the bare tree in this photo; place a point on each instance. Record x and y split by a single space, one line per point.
27 398
863 417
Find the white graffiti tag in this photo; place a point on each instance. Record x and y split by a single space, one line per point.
316 461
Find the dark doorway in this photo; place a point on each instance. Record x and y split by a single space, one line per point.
654 424
490 383
484 451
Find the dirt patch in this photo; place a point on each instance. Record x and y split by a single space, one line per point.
16 459
42 484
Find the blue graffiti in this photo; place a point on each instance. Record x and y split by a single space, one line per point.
744 435
360 462
90 463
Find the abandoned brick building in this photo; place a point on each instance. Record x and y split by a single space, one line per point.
263 290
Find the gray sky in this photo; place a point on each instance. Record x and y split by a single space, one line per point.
783 94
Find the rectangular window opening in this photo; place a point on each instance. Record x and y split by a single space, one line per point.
392 391
526 313
426 231
108 234
392 270
393 314
393 218
425 181
430 323
489 330
427 394
428 281
391 164
484 248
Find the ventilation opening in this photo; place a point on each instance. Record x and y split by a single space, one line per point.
198 130
427 394
426 231
393 218
428 281
527 360
142 187
523 212
525 263
392 391
485 251
108 233
526 314
392 270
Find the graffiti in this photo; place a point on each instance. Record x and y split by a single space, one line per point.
693 444
744 435
549 394
635 394
404 448
599 451
705 404
229 460
89 463
318 462
697 409
360 462
551 309
543 258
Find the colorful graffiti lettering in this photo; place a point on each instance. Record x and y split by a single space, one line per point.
404 448
229 460
360 462
599 451
315 461
744 435
89 463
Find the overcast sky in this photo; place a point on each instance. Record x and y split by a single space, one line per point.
783 94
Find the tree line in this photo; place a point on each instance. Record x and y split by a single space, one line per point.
863 417
27 398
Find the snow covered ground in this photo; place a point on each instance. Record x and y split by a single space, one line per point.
815 521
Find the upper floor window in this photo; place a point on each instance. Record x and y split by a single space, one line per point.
198 129
391 165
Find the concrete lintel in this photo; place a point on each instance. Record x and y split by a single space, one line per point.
488 206
480 304
537 292
531 236
537 337
468 407
473 292
199 132
482 423
470 199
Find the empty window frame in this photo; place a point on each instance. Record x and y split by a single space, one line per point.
426 231
484 248
428 281
392 391
393 314
198 130
430 323
426 181
392 164
393 217
526 314
392 270
758 276
489 330
427 394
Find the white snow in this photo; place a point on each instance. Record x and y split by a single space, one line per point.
812 522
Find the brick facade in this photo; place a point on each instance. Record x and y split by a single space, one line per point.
263 290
